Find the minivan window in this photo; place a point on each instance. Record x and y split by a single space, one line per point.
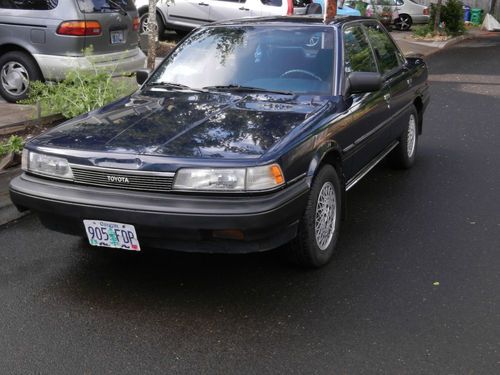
29 4
93 6
274 3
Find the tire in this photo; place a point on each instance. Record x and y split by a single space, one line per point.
17 69
144 21
404 155
308 249
404 22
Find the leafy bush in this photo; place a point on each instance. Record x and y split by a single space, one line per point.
14 144
452 14
80 92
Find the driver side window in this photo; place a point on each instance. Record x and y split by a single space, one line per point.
358 56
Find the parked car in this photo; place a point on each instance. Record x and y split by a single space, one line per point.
247 137
405 13
185 15
42 40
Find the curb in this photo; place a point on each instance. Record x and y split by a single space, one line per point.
8 212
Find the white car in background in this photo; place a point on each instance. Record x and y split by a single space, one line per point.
184 15
405 13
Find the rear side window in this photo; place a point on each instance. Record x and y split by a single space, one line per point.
358 54
100 6
29 4
388 55
274 3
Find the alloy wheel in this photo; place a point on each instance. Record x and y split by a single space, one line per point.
326 216
411 136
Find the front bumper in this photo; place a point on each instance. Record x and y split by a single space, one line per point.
173 221
56 67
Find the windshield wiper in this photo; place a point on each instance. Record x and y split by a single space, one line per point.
246 88
173 85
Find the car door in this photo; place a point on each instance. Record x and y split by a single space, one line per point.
397 78
368 110
221 10
190 13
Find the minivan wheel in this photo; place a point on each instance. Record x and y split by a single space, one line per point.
17 69
319 227
144 21
403 156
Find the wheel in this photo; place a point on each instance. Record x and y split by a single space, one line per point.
17 69
403 156
404 22
144 24
319 227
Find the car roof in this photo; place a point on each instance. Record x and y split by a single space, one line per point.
290 20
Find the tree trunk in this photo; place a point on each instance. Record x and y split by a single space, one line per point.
331 11
152 34
437 16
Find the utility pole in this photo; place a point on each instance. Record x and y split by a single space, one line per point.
152 34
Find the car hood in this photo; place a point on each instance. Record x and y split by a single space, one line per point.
186 124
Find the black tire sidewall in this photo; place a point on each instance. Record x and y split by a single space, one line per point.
28 63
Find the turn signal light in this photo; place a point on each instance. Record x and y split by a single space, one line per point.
135 23
79 28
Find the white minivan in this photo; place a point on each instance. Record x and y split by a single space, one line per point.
184 15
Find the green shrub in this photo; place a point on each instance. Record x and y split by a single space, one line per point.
14 144
80 92
452 14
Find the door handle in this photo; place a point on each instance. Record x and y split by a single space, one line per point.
243 8
387 97
203 4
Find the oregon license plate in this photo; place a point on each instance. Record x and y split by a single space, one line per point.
117 37
110 234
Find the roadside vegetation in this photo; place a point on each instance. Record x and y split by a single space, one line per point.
450 21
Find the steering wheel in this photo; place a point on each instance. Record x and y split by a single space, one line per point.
301 71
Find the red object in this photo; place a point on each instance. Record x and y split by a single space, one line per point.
79 28
426 11
290 8
136 23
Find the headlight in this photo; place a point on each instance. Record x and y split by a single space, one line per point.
230 179
47 165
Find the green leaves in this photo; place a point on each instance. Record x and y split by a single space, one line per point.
81 92
14 144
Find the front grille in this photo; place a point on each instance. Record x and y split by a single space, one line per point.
120 179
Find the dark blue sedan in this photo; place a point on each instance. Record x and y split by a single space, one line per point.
245 138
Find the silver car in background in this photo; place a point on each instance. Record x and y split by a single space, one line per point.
184 15
43 39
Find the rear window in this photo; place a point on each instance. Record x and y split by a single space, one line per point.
274 3
93 6
28 4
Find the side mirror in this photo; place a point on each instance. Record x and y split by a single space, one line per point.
361 82
142 75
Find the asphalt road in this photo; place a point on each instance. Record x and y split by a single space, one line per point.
414 288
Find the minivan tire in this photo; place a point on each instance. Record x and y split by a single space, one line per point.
21 64
307 250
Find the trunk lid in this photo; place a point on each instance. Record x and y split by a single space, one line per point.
116 18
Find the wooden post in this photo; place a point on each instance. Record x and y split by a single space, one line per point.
331 10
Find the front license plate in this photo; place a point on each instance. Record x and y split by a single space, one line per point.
117 37
110 234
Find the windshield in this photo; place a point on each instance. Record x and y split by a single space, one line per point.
293 59
90 6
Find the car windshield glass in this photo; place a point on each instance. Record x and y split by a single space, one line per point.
90 6
286 59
